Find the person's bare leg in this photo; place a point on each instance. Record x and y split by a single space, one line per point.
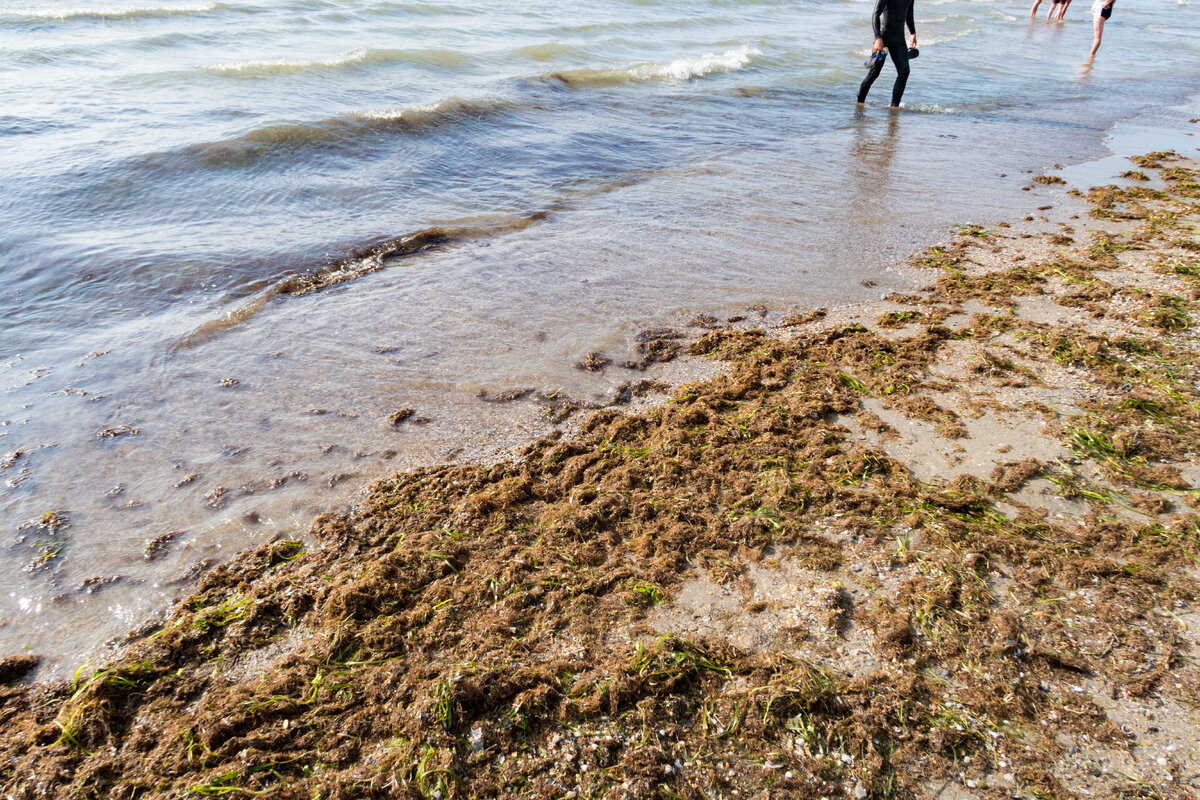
1050 13
1033 11
1062 9
1098 23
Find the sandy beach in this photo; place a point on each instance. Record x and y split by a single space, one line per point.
939 545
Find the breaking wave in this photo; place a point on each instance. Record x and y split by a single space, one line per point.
429 115
936 40
114 12
681 69
362 55
336 134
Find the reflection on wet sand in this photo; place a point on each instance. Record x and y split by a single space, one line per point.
874 190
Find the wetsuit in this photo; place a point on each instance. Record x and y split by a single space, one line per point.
888 21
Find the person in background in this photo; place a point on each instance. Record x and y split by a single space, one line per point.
888 22
1057 9
1101 11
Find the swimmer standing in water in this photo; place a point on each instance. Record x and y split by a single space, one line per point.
888 22
1101 11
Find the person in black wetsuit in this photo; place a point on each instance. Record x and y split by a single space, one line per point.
888 20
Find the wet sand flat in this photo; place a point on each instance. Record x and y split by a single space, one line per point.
941 545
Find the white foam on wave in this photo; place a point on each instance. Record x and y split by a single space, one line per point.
927 41
432 113
285 65
683 69
947 18
114 11
934 40
426 110
932 108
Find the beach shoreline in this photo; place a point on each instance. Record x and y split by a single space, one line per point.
942 544
134 436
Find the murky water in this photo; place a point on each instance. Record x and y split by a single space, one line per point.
175 176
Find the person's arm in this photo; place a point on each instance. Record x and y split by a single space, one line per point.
912 24
877 23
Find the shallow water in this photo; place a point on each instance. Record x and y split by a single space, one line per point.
172 172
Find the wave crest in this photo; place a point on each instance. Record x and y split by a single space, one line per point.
362 55
346 131
681 69
284 65
430 115
114 12
950 37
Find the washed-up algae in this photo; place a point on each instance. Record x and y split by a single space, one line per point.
478 632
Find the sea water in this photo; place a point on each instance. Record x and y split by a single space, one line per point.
236 235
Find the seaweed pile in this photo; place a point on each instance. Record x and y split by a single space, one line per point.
476 632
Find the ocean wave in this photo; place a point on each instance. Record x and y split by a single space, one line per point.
591 29
118 12
927 41
21 126
947 18
432 9
284 65
343 131
429 115
362 55
292 144
933 108
548 51
936 40
681 69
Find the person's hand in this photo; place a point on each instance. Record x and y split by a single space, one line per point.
878 46
913 41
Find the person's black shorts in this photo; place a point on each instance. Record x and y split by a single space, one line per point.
1106 12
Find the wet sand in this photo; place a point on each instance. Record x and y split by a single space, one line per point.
942 545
